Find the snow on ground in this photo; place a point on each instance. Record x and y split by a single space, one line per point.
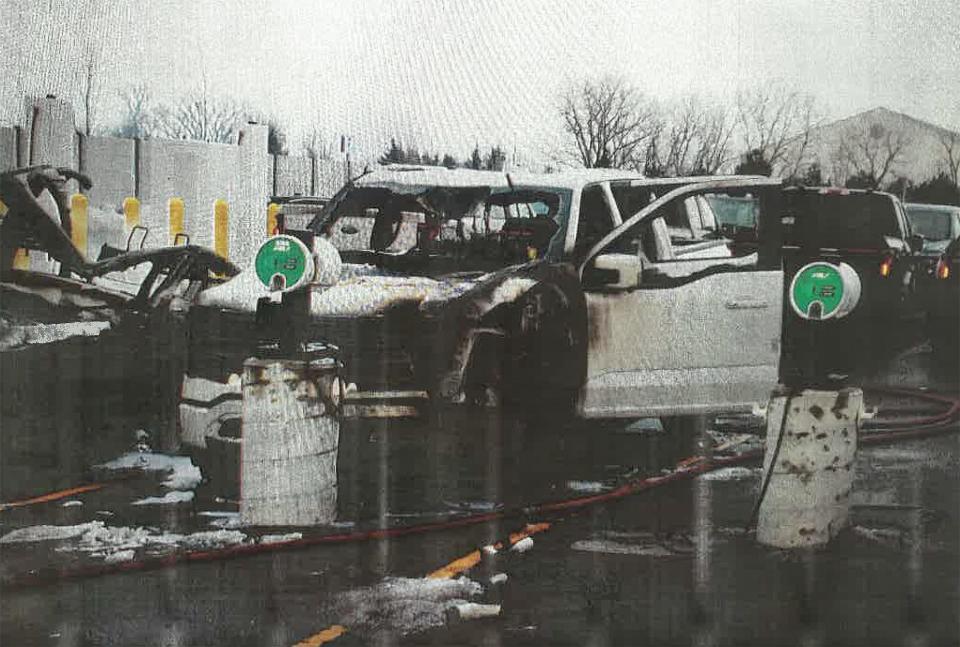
732 474
46 533
184 474
16 336
172 497
278 539
119 543
404 605
586 486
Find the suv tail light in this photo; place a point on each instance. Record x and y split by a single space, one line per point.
886 266
943 269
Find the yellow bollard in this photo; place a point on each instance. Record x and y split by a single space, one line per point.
131 212
175 210
272 210
78 222
221 234
21 259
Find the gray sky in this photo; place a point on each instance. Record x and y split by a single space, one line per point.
448 74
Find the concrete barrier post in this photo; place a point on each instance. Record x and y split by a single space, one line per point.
175 211
808 497
221 228
78 222
272 210
131 212
291 434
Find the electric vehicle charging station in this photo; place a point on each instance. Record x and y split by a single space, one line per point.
812 433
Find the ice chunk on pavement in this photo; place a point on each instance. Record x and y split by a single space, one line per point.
586 486
213 539
404 605
185 475
224 519
174 496
732 474
71 503
47 533
119 556
277 539
618 548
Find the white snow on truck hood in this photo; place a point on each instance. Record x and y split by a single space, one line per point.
361 290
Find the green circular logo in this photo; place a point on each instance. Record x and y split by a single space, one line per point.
817 291
283 263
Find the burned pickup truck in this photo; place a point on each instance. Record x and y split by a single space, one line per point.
559 292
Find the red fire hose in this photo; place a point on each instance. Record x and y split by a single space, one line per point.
687 469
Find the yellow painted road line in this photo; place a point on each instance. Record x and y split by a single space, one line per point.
451 570
327 635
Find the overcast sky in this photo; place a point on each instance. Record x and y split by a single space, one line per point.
448 74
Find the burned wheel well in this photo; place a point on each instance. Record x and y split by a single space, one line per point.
534 345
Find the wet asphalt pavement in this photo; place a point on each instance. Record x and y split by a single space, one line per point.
669 566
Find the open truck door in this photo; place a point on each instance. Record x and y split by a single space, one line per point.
674 334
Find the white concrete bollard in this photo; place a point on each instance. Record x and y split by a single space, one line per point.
291 434
808 498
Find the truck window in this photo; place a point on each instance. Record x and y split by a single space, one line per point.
594 221
840 221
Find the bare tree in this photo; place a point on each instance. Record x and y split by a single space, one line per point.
951 154
798 157
136 122
870 151
770 118
609 123
200 116
89 89
695 139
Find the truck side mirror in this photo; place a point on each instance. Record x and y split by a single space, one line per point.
620 271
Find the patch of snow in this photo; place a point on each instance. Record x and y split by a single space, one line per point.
208 539
278 539
732 474
71 503
47 533
184 474
15 336
174 496
119 556
618 548
404 605
104 541
228 520
586 486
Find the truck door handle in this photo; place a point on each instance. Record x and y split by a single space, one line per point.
746 304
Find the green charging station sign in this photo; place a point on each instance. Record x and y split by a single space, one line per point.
824 291
283 263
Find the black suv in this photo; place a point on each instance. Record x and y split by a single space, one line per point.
869 231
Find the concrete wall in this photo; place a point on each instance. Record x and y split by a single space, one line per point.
155 170
111 163
293 175
331 176
8 148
